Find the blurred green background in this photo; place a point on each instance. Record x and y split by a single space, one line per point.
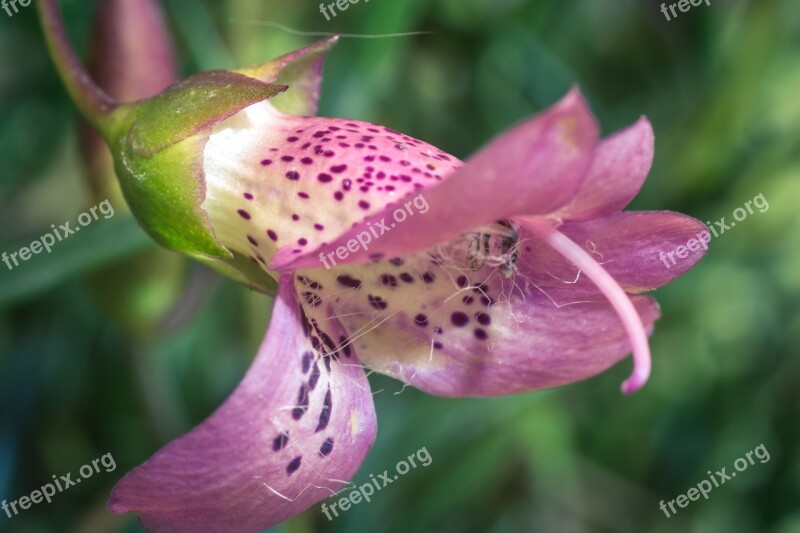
83 374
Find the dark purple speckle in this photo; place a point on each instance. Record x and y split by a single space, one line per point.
459 319
292 467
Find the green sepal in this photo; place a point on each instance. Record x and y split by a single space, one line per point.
301 71
158 147
242 270
193 105
165 192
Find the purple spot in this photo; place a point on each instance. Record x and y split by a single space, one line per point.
338 195
312 298
294 465
438 345
307 362
293 175
406 277
248 196
244 214
303 195
307 161
481 334
292 139
349 281
483 319
252 240
302 242
325 415
388 280
272 235
459 319
280 442
302 403
363 204
326 448
421 320
266 162
345 347
427 277
346 184
319 227
462 281
314 377
397 261
325 178
295 217
338 169
287 158
377 302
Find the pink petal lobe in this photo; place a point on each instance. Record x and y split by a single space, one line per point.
638 249
619 300
296 428
618 171
535 168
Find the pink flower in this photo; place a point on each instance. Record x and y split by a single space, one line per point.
513 272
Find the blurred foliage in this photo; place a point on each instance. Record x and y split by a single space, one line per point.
721 86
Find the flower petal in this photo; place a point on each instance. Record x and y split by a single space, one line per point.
299 424
621 164
535 168
431 322
279 181
634 247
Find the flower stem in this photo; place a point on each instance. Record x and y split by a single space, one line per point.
94 104
616 296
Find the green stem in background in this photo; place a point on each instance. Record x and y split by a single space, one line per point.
93 103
